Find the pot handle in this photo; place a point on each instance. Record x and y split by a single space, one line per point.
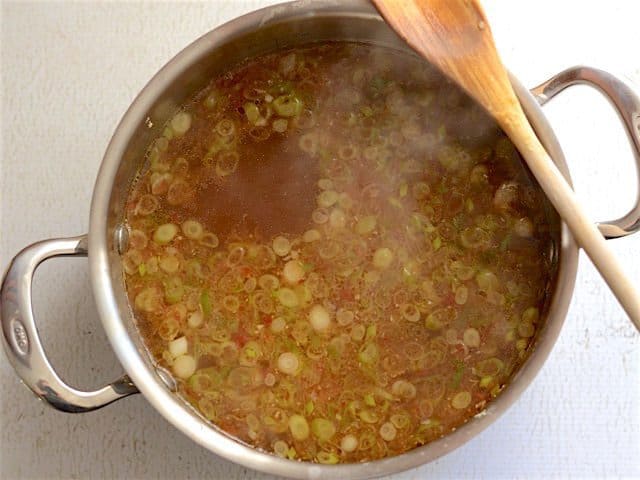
627 104
20 336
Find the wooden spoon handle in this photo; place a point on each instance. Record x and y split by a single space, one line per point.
564 200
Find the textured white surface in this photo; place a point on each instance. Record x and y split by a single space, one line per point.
69 71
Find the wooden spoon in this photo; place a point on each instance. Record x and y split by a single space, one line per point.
454 36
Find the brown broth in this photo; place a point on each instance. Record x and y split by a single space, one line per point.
337 253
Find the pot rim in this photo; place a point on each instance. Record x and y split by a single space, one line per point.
151 385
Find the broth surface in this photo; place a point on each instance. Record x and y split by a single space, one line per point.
337 254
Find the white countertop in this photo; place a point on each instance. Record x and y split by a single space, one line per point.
69 71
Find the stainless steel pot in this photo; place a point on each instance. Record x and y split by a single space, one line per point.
262 31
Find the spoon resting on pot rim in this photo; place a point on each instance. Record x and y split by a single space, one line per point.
454 36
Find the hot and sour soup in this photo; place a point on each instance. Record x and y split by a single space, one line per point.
337 255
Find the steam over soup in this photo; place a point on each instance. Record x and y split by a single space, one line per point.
337 254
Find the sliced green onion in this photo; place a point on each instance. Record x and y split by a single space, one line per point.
309 143
382 258
486 381
403 389
461 400
268 282
320 216
180 123
526 329
471 338
293 272
344 317
531 315
323 429
319 318
288 363
169 264
410 312
368 353
227 163
184 366
280 448
252 112
369 400
440 318
281 246
160 183
225 127
287 105
461 295
195 319
349 443
309 407
327 198
280 125
327 458
173 289
358 332
487 281
337 218
231 303
192 229
210 240
168 329
179 192
250 354
369 416
278 325
205 303
366 225
263 302
178 347
388 431
325 184
165 233
489 367
311 236
400 420
287 297
299 427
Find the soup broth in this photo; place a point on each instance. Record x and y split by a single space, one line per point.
337 254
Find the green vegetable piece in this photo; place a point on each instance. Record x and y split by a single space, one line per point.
250 354
371 332
299 427
205 303
309 407
457 375
489 367
368 353
366 225
287 297
165 233
369 400
323 429
173 290
287 105
486 381
369 416
327 458
252 112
